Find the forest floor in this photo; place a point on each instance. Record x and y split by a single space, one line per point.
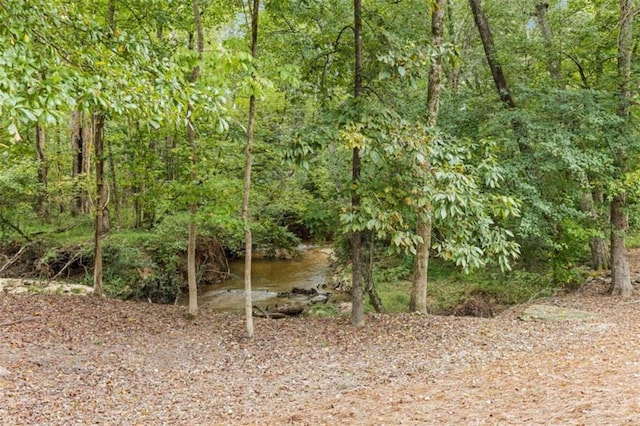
67 360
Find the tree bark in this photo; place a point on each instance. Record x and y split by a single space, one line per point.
367 272
355 237
43 172
504 92
418 301
599 254
620 274
80 145
98 138
597 244
193 207
115 193
491 53
553 58
453 71
248 244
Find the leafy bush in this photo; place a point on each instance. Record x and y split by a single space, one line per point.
274 239
18 186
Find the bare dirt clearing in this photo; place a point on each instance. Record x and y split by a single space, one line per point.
75 360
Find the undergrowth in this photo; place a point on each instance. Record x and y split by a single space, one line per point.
449 288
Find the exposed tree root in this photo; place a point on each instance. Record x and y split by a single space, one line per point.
14 259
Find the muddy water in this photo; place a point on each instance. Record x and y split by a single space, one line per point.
268 277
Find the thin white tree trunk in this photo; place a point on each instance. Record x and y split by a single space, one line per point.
248 303
193 207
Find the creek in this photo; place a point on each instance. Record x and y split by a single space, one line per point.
268 278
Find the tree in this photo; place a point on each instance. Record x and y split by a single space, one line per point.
248 245
193 207
98 125
491 54
355 237
620 276
98 226
418 302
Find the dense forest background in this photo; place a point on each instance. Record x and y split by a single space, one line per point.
500 135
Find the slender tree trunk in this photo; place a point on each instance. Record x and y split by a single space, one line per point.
599 254
43 172
193 228
80 146
246 217
367 272
504 92
357 310
115 193
98 138
111 13
553 58
491 53
88 132
193 207
620 274
597 244
453 71
418 301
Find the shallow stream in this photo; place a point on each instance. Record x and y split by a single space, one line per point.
268 278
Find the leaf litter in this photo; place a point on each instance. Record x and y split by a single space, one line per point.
84 360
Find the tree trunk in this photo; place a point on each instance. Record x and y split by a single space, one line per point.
88 132
248 240
357 310
367 272
115 194
553 58
193 207
491 54
80 146
504 92
418 301
98 138
453 70
599 254
43 172
620 275
597 244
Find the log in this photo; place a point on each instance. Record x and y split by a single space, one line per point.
292 309
304 291
279 311
257 312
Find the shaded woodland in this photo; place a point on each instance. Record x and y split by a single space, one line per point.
144 143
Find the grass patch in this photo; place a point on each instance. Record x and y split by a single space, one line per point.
323 310
449 288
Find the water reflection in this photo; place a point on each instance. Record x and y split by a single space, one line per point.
268 277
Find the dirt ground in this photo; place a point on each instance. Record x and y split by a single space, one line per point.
67 360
